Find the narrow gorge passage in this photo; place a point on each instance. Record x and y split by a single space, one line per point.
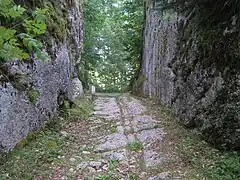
123 137
180 61
121 140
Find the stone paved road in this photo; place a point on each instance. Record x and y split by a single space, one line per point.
125 138
119 141
130 148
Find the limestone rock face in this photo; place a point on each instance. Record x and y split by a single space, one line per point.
200 83
33 95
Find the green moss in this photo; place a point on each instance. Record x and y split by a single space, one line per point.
19 81
71 75
33 94
113 129
56 20
31 136
77 110
135 146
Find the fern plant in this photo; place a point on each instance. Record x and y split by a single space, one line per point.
16 42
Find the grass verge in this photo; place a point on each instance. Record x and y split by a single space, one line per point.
191 156
33 157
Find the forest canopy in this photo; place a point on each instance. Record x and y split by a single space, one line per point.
112 43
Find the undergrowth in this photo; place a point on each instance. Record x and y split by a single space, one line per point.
198 158
109 175
76 111
33 155
228 167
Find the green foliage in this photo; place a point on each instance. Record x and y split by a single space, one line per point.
112 44
33 94
30 137
16 42
9 10
227 168
9 46
80 109
132 176
56 20
135 146
36 26
102 177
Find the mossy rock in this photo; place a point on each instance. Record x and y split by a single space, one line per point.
31 136
33 94
56 20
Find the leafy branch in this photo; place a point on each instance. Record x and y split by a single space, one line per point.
15 43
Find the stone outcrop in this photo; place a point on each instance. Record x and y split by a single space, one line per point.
199 80
33 91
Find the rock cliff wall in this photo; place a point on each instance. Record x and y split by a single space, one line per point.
199 79
34 90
